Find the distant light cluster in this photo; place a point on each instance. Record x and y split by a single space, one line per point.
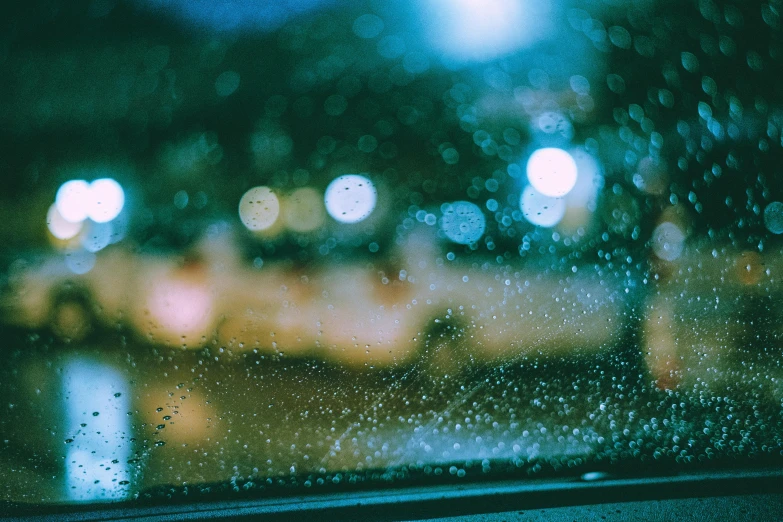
88 216
558 180
101 201
348 199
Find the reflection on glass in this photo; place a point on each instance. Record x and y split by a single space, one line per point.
96 401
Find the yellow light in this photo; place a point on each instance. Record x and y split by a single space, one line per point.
304 210
59 227
259 208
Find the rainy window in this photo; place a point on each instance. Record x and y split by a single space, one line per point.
258 247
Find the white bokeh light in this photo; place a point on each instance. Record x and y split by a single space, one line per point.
105 201
541 210
552 172
101 201
350 198
463 222
588 181
73 199
60 227
259 208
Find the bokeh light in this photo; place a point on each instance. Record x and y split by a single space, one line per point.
259 208
773 217
481 30
304 210
368 26
73 199
119 227
102 200
668 241
552 172
80 261
350 198
96 464
105 201
97 236
463 222
651 176
60 227
582 201
229 15
588 181
541 210
181 307
227 83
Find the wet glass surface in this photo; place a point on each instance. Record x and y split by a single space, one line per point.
255 248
